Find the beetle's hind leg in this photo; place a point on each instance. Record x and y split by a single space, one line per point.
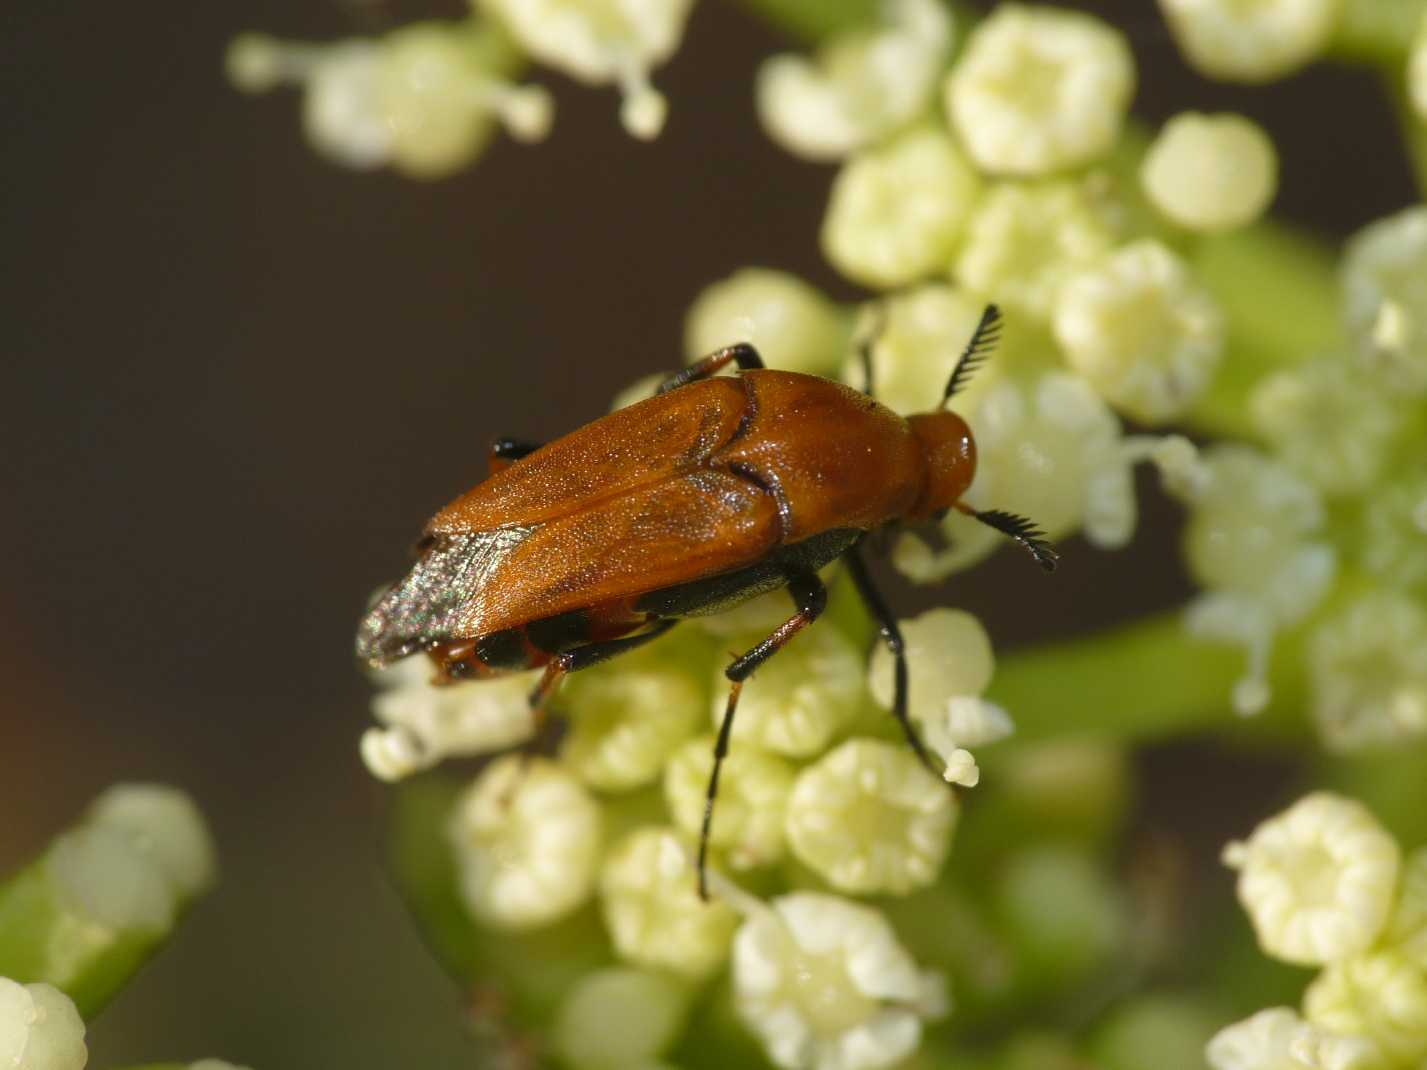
582 657
892 636
810 596
742 354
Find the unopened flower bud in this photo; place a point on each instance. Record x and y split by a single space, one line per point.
1317 880
1210 172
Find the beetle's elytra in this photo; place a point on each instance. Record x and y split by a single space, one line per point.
712 491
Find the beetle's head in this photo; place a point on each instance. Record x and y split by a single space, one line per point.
950 455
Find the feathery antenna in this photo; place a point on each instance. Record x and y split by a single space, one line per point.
983 341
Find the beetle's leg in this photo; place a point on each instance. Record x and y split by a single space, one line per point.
582 657
864 347
810 596
742 354
892 636
505 451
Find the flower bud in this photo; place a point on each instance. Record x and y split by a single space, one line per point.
1250 42
1368 667
753 791
1144 333
618 1019
1384 281
1040 89
860 87
40 1029
649 895
526 839
1024 241
794 327
897 211
1317 880
870 820
824 983
1210 172
1381 997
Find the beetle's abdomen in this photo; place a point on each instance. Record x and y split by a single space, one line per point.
830 456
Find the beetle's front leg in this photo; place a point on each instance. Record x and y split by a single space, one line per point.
506 451
742 354
810 596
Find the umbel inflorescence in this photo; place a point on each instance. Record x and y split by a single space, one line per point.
1149 304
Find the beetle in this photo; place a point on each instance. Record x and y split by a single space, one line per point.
714 490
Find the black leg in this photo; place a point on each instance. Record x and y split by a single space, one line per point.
892 636
504 451
810 596
864 348
742 354
582 657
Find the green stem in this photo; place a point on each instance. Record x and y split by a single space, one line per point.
1144 681
1377 31
43 938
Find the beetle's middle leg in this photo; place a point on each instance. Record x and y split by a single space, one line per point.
892 636
742 354
810 596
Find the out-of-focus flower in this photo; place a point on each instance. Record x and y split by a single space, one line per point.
1417 71
870 820
1141 331
753 791
1381 997
602 42
619 1019
1384 279
861 86
424 99
1060 909
215 1064
526 839
1394 530
1406 930
897 210
163 825
1328 422
1253 41
1053 450
1368 667
799 700
1318 881
1278 1039
40 1029
629 715
1254 541
794 327
916 338
1024 242
426 722
826 986
649 896
1210 172
949 665
1040 89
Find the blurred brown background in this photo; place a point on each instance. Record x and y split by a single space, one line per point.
236 380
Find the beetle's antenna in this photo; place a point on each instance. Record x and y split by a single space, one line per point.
983 341
1020 528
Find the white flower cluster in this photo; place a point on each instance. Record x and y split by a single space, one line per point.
1325 885
533 844
427 98
1009 198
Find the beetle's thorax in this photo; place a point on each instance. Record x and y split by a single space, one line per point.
950 455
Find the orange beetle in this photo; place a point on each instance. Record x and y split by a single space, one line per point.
712 491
